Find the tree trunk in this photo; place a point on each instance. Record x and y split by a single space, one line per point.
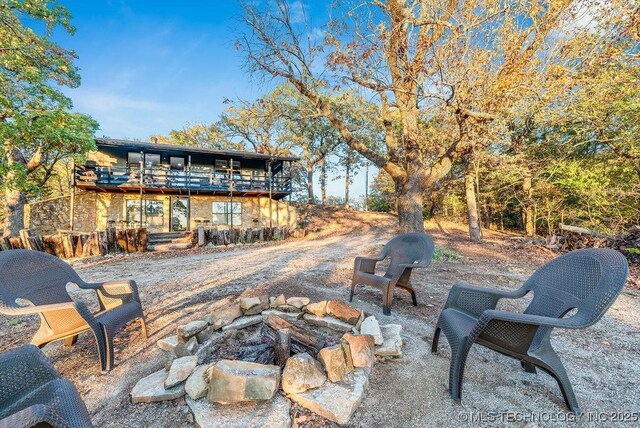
410 195
14 202
310 185
323 181
347 182
528 220
475 232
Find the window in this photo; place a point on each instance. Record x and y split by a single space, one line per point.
151 159
222 213
134 158
223 164
153 214
176 163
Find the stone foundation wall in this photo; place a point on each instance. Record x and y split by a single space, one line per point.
50 215
94 211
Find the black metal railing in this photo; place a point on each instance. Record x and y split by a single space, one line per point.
160 177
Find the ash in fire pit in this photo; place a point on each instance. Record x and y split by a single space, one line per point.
255 351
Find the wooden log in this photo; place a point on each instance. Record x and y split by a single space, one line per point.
24 239
131 240
282 347
200 235
58 246
309 339
267 357
5 243
122 240
86 248
48 244
78 247
580 230
142 240
67 245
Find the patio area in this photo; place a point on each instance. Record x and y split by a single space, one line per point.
408 392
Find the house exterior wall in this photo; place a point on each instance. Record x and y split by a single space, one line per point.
99 210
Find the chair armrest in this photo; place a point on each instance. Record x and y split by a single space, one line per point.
366 264
22 370
26 310
114 293
476 300
29 417
529 319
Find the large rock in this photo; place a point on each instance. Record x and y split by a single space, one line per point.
289 316
289 308
371 327
329 322
234 381
197 384
168 343
344 312
224 312
254 305
151 388
205 335
243 322
256 414
336 401
392 343
302 372
362 349
318 309
186 349
332 359
277 301
185 332
298 302
180 370
348 359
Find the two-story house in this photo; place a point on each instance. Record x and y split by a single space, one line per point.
170 188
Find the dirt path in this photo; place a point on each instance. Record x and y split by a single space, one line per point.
602 361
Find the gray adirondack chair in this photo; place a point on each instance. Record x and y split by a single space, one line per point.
32 393
407 252
586 281
34 282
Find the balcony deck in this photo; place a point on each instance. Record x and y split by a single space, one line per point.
197 181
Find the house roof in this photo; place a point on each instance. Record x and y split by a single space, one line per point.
144 145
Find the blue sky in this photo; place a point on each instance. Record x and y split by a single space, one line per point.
148 67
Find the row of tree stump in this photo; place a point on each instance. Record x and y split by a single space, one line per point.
573 238
68 244
204 236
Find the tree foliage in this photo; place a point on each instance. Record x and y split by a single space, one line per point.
37 129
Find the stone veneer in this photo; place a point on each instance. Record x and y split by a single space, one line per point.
94 209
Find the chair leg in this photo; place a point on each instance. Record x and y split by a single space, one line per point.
456 370
528 367
71 340
353 286
553 365
387 299
436 339
143 325
108 347
413 297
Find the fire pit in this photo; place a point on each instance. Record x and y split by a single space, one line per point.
249 356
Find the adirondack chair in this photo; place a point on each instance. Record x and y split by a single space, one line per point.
586 281
35 282
33 394
407 251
